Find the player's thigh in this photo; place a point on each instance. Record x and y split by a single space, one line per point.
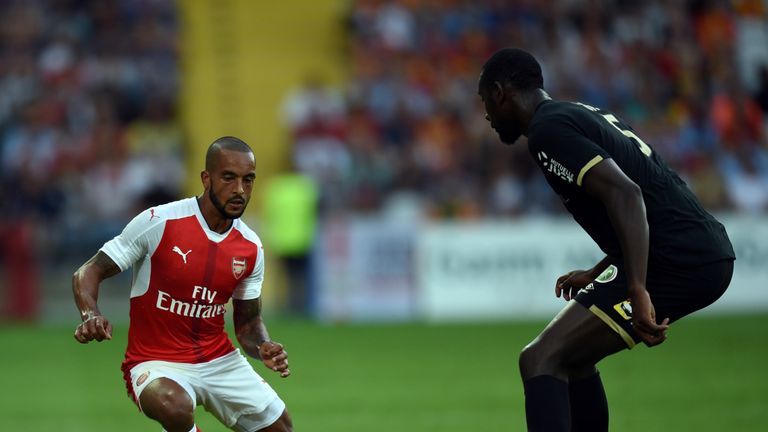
575 340
231 389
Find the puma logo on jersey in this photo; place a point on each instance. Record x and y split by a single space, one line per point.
152 215
183 255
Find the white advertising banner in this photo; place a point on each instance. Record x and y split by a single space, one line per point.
498 270
371 269
508 270
365 271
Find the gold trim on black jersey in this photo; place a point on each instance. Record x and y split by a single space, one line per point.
595 160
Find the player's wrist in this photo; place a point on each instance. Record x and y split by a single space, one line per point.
89 315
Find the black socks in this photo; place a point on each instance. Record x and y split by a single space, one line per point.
546 404
589 407
553 405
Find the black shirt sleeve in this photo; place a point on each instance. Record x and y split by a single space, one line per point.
563 152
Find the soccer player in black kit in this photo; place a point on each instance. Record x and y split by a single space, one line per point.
666 257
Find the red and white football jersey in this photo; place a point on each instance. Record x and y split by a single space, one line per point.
183 276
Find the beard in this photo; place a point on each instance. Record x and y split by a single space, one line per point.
508 133
221 207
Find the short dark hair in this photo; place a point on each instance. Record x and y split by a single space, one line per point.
224 143
513 66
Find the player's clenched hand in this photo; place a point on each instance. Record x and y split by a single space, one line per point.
275 357
570 283
644 319
95 327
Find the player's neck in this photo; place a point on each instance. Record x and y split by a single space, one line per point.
213 218
530 103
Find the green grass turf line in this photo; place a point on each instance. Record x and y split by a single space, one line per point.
708 376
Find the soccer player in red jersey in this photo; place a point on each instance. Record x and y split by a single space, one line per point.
189 258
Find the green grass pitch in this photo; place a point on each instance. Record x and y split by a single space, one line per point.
709 376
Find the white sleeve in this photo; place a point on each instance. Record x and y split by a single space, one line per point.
250 287
141 235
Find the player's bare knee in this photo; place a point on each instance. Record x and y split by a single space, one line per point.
579 372
180 417
528 360
540 359
169 404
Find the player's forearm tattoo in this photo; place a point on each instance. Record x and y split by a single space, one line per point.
246 311
249 328
104 263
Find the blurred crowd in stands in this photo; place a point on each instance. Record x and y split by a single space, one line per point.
88 132
407 131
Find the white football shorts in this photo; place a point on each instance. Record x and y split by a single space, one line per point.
227 387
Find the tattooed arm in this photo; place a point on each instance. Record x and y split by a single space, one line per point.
253 337
85 287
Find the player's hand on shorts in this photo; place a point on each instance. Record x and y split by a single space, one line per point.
570 283
95 327
644 319
275 357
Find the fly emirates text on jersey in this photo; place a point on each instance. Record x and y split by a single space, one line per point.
167 303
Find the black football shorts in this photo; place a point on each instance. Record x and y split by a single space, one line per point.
675 293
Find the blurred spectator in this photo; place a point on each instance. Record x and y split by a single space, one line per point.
740 124
290 220
315 114
695 154
746 181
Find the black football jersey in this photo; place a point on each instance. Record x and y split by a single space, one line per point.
566 139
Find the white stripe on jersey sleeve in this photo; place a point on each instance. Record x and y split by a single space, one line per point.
250 287
141 235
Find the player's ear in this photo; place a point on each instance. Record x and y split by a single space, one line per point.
206 179
497 92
